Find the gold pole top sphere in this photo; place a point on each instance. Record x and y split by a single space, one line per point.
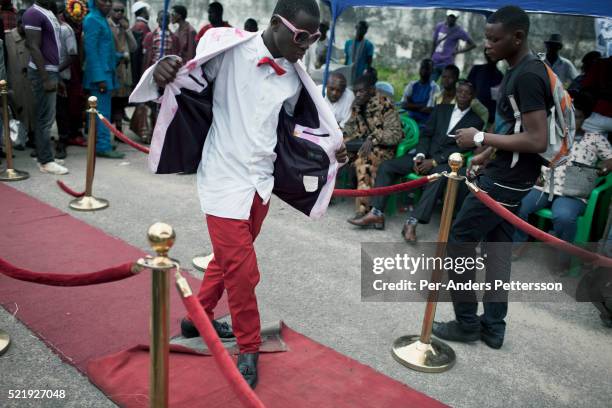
3 85
161 238
455 161
92 101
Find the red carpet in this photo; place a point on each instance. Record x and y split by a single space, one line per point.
79 323
84 325
309 375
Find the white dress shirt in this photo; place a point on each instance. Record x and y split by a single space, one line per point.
457 115
342 107
238 155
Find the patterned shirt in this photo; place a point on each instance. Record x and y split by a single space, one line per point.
588 150
380 122
151 46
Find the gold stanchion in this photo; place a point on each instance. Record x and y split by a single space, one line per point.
10 174
424 353
161 238
5 341
88 202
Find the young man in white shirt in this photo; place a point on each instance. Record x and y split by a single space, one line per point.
254 81
339 97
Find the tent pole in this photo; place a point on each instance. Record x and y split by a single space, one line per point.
330 46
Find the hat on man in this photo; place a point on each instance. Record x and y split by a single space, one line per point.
139 5
554 39
453 13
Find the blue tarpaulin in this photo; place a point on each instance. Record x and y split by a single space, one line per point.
595 8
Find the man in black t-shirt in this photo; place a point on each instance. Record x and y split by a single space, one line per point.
504 179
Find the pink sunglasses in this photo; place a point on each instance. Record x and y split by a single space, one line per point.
300 36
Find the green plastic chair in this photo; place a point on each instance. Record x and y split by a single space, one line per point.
600 195
411 135
410 140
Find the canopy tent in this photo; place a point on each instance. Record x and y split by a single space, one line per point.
594 8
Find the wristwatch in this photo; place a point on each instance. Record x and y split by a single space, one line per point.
479 139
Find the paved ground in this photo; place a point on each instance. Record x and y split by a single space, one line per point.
555 354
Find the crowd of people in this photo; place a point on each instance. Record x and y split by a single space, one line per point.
443 100
57 53
60 52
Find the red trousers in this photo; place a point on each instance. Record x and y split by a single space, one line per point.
234 268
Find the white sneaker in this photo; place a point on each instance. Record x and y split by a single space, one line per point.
53 168
59 161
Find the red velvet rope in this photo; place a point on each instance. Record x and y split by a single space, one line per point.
245 394
52 279
409 185
519 223
121 136
68 190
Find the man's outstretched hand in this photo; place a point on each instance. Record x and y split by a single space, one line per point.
165 71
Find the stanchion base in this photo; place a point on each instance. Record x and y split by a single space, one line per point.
435 357
5 341
88 204
13 175
200 262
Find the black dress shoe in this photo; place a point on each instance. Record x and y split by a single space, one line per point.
188 329
247 365
495 342
452 331
369 220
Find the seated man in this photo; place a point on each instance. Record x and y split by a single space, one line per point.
339 97
419 96
435 146
375 121
588 149
448 81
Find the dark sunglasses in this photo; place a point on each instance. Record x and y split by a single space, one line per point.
119 10
300 36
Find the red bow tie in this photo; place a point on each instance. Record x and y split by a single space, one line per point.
267 60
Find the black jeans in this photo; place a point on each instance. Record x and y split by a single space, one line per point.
476 223
387 173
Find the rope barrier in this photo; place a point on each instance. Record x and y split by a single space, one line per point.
70 191
116 273
245 394
540 235
121 136
378 191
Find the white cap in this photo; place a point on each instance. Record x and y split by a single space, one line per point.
139 5
448 12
